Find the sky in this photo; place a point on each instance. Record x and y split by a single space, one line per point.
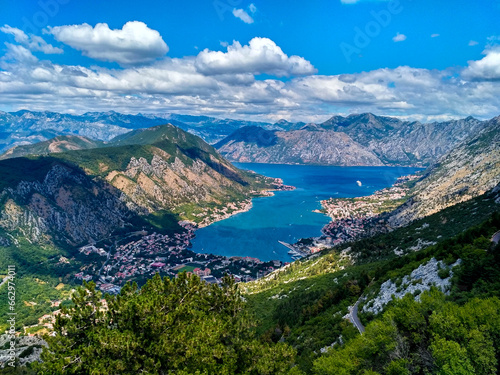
423 60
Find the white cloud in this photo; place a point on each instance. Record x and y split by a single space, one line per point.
261 55
473 43
31 42
435 35
134 44
227 87
242 15
488 68
20 54
399 38
252 8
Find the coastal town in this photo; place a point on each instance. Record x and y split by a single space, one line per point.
354 217
140 255
153 253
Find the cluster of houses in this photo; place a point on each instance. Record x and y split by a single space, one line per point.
344 230
81 276
362 207
353 217
88 249
168 255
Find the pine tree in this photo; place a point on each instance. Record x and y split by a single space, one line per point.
180 326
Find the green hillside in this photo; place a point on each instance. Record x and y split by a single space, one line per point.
58 144
306 302
151 179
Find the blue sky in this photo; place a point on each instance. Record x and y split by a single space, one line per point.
263 60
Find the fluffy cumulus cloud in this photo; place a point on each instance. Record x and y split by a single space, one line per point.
488 68
31 42
135 43
224 84
260 56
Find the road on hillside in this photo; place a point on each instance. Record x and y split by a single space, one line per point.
353 317
496 237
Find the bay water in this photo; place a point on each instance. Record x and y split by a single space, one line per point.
288 215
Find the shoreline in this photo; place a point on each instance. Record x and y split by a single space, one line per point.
247 204
419 166
353 218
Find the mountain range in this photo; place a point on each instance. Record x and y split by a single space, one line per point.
27 127
363 139
72 190
357 139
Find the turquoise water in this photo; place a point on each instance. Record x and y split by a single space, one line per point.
288 216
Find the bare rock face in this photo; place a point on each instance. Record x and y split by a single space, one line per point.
296 147
469 170
161 184
67 204
363 139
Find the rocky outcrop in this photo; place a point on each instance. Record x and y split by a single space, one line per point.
469 170
67 205
159 184
27 349
421 279
304 146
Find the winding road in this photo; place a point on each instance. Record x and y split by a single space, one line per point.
353 317
353 311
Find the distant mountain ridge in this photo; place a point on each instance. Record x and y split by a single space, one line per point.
305 146
60 143
357 139
27 127
367 139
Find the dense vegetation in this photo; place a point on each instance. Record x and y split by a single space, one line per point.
180 326
455 334
305 303
433 336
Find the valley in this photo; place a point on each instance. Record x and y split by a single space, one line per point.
250 187
161 201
